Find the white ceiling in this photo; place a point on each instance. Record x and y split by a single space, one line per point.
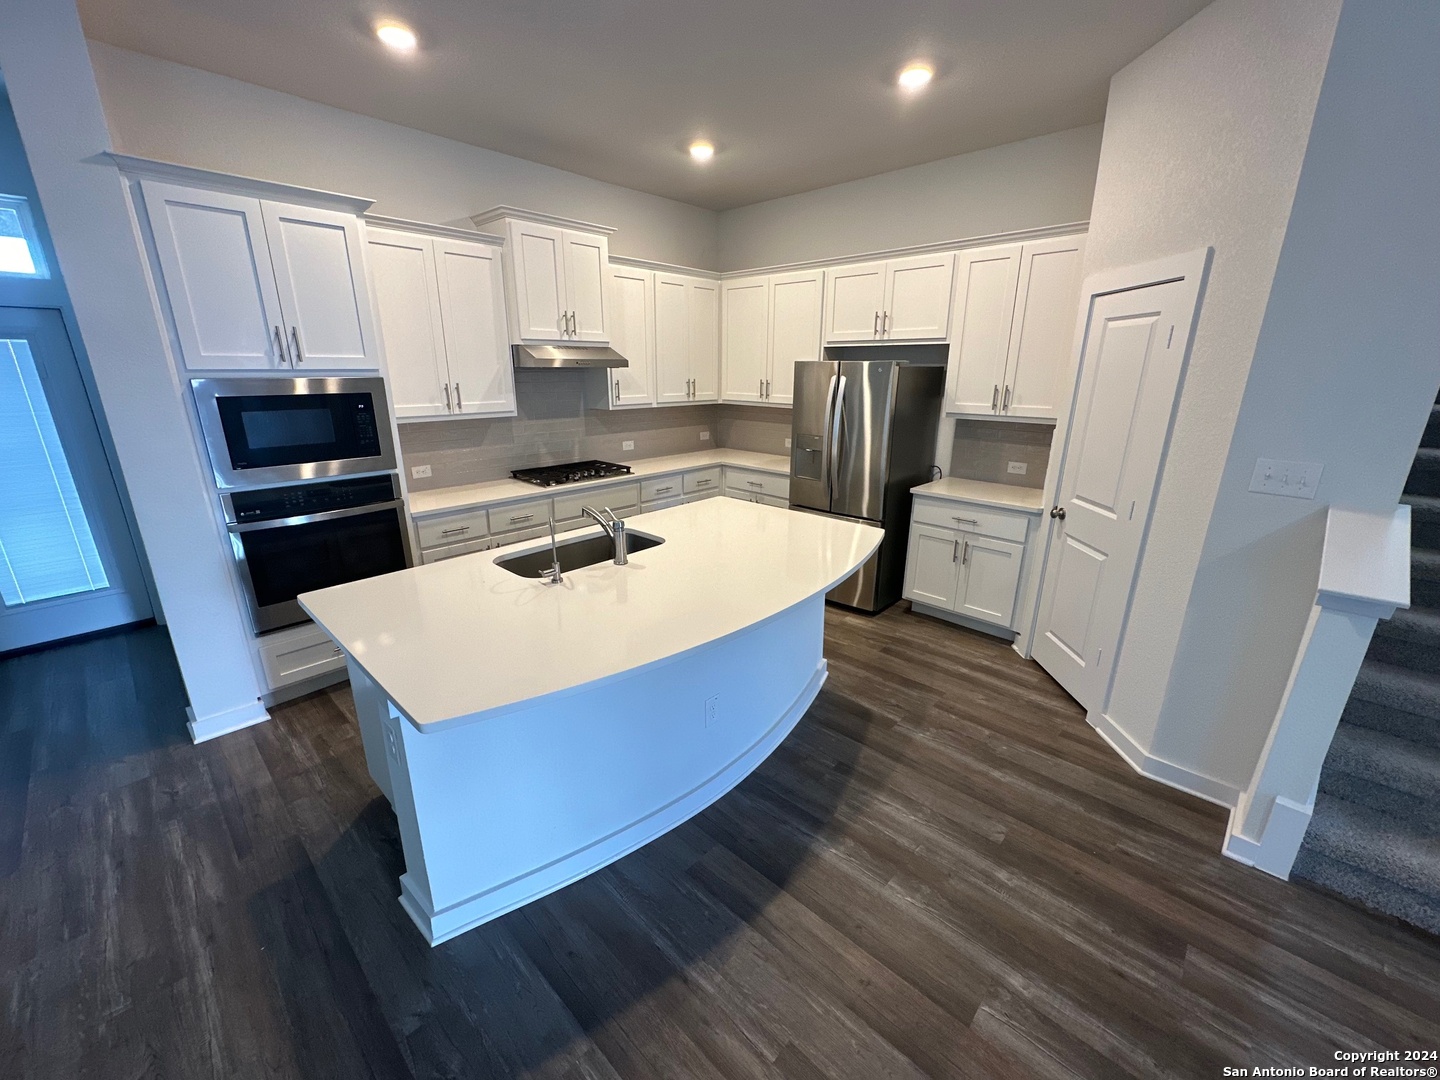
795 94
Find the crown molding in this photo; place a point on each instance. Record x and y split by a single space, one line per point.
240 185
447 232
495 213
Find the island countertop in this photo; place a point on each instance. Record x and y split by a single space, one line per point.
464 636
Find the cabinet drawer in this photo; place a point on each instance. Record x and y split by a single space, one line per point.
702 480
660 487
970 518
449 551
748 482
453 528
661 504
521 515
293 656
618 497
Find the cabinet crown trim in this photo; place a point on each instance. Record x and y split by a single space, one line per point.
663 267
497 213
191 176
1044 232
425 228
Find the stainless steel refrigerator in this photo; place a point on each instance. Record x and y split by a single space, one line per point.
863 435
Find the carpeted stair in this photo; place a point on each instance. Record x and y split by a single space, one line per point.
1375 836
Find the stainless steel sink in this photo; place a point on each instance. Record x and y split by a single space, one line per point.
575 553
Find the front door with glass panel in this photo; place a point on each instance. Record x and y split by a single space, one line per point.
67 562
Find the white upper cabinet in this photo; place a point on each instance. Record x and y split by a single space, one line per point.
632 335
687 339
558 286
442 317
768 324
320 275
906 299
261 285
1015 310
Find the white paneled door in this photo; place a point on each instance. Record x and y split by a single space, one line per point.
1129 374
67 562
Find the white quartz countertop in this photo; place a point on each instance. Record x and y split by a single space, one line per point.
463 636
1003 496
468 496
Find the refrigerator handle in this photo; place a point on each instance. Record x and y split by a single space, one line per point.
837 415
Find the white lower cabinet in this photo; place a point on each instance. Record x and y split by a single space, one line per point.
957 564
298 653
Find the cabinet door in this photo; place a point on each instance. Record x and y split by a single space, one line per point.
216 268
537 255
472 310
672 339
985 281
796 305
991 577
933 566
632 336
1046 306
319 263
855 298
704 309
917 298
745 338
586 258
407 303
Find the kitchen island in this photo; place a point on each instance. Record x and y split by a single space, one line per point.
528 734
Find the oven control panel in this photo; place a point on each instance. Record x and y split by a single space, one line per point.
302 500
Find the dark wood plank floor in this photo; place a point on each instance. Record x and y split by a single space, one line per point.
942 872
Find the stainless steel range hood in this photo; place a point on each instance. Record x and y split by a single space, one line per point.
567 356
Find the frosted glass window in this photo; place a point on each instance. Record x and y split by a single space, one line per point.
19 249
46 546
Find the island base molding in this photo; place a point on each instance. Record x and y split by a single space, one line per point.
513 805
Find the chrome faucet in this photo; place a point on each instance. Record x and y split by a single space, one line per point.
614 528
552 576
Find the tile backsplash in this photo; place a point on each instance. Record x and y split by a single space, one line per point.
983 450
553 426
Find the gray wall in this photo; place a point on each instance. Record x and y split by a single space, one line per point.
1035 183
163 110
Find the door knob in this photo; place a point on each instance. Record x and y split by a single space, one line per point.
1057 512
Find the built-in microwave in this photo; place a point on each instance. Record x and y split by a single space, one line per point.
261 431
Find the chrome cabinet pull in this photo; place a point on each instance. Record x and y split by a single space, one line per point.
967 521
965 555
1006 406
459 530
662 491
762 389
574 325
280 353
448 406
617 391
295 337
955 550
767 389
515 520
995 399
755 483
884 323
876 331
459 405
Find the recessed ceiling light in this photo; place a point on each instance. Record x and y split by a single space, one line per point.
701 150
396 35
914 76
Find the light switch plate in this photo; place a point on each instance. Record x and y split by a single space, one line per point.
628 444
787 444
419 472
1294 479
704 436
1019 468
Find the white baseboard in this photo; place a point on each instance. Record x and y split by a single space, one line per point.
1167 772
1275 851
1004 633
204 728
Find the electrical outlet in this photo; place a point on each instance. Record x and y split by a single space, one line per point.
628 444
787 444
1294 479
704 436
419 472
392 743
1019 468
712 707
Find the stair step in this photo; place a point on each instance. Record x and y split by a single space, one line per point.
1367 890
1397 688
1389 847
1409 639
1425 472
1397 765
1432 429
1424 577
1424 520
1409 726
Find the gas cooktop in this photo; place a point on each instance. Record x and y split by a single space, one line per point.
573 473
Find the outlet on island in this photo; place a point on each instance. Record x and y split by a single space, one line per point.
712 708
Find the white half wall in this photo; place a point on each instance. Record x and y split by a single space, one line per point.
163 110
1035 183
58 112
